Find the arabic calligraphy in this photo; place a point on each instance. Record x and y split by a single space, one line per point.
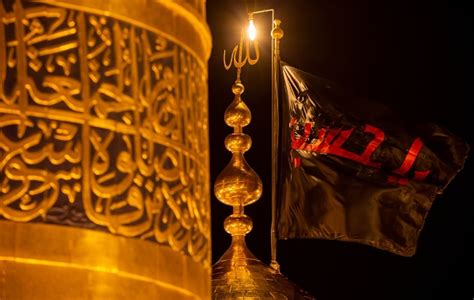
241 55
332 140
103 125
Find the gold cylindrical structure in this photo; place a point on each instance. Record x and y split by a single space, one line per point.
104 155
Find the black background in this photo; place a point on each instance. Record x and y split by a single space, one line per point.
415 57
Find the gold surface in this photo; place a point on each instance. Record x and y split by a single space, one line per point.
38 261
103 126
238 184
240 275
180 21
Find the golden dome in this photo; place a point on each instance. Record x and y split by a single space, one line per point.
240 275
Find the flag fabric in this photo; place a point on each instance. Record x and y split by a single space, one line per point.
351 170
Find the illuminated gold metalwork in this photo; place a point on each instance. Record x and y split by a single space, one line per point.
238 185
277 35
103 126
43 261
239 274
236 58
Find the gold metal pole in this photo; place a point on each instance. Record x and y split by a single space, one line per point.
277 34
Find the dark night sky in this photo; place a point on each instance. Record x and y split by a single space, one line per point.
412 56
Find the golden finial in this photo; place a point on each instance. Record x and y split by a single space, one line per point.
240 59
277 32
238 185
239 274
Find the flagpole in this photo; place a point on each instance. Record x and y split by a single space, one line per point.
277 35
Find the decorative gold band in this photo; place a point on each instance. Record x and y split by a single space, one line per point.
39 260
179 22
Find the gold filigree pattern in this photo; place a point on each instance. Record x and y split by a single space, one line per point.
103 125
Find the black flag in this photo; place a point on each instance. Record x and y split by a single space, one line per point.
351 170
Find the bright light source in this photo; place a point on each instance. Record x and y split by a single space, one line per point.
251 30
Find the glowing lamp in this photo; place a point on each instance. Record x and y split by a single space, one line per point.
251 30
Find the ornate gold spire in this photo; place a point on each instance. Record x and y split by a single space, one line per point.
239 274
238 184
